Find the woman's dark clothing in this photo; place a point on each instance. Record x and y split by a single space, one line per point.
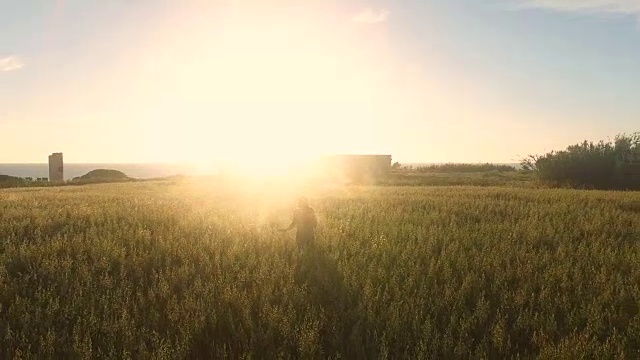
305 221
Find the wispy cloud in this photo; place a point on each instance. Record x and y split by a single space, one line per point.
630 7
372 16
10 63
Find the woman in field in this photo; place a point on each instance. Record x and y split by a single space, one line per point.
305 222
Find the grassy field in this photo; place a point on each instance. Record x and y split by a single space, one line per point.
488 178
197 270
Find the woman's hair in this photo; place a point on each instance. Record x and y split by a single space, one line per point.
303 201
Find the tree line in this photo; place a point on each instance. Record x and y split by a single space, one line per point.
608 164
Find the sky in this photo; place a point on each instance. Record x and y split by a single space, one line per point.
285 80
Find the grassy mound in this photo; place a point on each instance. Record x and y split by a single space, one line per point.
102 175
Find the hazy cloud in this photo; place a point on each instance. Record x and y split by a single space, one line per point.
372 16
10 63
631 7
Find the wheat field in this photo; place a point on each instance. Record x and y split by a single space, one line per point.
188 269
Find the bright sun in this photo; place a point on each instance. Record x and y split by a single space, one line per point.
261 94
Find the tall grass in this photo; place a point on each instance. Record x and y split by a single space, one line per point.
465 168
162 270
490 178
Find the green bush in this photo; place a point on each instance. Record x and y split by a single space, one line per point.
602 165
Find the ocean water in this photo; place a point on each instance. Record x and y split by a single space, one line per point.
139 171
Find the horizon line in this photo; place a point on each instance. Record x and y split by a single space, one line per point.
213 163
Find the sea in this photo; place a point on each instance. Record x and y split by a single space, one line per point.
138 171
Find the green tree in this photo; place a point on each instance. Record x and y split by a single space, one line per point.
589 165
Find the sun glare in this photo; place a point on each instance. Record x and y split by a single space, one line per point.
262 94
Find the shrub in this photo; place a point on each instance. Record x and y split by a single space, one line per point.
602 165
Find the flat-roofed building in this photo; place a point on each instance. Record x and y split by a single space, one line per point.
359 168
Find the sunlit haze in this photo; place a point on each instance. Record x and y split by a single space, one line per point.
270 83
